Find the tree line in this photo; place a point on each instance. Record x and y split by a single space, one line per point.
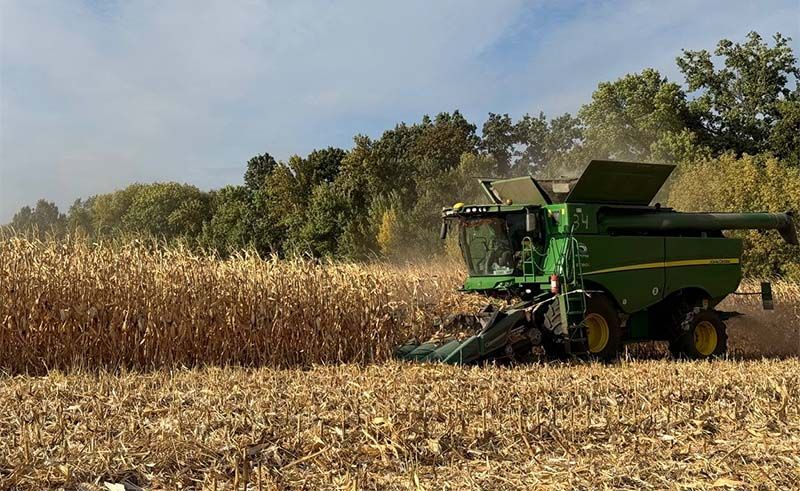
736 106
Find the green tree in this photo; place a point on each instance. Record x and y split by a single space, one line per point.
290 192
740 103
546 145
320 166
42 220
784 140
231 225
416 229
80 216
499 137
282 204
440 144
355 186
109 209
168 210
258 169
401 163
627 117
23 220
392 163
326 218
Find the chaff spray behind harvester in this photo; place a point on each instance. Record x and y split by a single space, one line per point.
593 266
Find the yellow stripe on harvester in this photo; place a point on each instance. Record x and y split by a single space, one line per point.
669 264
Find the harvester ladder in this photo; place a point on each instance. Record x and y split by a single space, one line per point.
574 295
528 258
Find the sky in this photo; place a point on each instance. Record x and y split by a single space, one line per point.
95 95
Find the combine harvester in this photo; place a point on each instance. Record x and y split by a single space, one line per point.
594 266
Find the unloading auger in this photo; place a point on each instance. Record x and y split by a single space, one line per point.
593 266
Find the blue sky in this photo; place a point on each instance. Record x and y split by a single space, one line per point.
97 94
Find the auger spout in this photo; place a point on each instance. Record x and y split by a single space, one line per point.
669 220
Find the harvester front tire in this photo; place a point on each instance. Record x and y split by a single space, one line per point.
701 335
552 323
601 307
601 313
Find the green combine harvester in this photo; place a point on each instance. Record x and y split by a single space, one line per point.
593 266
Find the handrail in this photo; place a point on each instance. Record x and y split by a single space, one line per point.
529 266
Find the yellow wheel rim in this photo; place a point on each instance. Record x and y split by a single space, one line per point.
597 332
705 338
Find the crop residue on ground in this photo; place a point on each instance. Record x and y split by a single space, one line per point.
635 425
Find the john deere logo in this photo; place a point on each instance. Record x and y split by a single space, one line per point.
720 261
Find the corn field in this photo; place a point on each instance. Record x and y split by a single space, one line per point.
75 304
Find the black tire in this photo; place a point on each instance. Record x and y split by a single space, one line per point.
598 306
700 335
553 348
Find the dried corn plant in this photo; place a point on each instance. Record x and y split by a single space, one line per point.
634 425
98 310
137 305
76 304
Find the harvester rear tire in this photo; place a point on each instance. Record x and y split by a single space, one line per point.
597 305
702 335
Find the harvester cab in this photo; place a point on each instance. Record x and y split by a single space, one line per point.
592 265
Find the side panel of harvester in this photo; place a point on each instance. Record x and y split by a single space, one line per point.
710 265
639 264
631 269
640 271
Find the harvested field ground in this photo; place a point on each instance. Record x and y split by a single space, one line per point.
634 425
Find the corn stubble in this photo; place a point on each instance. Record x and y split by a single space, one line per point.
634 425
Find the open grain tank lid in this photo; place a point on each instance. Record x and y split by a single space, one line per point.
619 183
518 190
